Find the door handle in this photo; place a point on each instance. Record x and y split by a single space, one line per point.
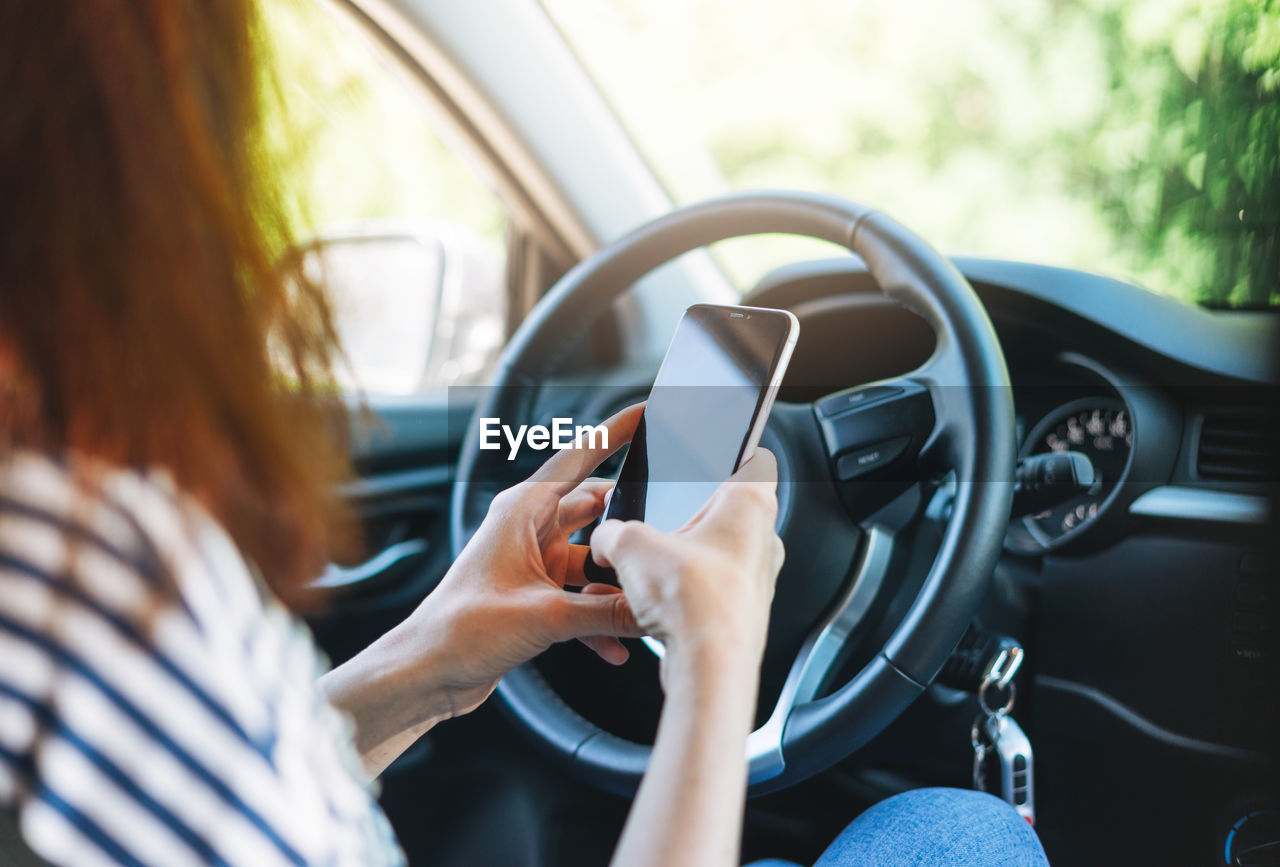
348 576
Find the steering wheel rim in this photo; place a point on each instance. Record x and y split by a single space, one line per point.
972 433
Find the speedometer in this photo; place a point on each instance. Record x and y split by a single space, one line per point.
1101 428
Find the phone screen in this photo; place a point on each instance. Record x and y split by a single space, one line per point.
705 403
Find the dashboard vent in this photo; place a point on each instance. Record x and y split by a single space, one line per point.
1238 446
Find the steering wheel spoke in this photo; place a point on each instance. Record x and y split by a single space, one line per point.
871 428
880 439
821 655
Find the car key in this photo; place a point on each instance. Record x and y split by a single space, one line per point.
1017 764
994 731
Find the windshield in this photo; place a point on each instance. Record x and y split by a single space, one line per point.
1137 139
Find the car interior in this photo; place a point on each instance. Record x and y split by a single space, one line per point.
1148 687
928 522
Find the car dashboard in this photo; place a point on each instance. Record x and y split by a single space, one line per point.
1147 602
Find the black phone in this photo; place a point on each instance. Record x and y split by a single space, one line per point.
705 414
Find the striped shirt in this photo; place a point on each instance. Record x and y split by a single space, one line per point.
157 705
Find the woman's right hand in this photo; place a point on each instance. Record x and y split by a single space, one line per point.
704 590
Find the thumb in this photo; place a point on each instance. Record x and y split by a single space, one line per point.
607 647
614 539
596 612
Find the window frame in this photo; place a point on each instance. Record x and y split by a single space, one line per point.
542 241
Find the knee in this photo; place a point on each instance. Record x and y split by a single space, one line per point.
953 807
941 826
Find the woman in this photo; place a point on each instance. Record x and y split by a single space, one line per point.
161 430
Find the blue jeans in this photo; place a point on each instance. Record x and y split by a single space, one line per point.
933 827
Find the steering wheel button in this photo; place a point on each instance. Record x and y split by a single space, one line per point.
859 397
871 458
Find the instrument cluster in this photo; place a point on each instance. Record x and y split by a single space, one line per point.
1098 427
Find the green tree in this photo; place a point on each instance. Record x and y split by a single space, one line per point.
1220 180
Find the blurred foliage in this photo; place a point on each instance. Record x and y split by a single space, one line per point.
1135 138
1216 158
353 139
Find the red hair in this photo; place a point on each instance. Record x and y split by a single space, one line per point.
143 307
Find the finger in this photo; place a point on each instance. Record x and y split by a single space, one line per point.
594 613
761 468
739 511
598 589
608 648
576 565
611 650
614 539
583 504
742 510
567 468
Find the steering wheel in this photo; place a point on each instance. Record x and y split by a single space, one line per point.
952 414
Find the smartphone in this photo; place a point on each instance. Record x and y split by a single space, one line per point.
705 414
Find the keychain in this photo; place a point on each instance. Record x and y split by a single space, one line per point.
995 731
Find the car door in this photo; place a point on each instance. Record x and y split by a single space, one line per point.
414 250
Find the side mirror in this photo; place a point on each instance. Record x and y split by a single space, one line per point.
418 305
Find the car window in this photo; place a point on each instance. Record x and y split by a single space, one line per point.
1140 139
409 239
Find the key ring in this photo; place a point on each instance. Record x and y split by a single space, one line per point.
1000 673
1004 666
975 735
982 698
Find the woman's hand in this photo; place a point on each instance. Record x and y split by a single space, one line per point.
502 603
704 590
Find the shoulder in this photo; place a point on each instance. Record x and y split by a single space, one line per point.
49 508
122 538
116 590
122 653
153 701
109 578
